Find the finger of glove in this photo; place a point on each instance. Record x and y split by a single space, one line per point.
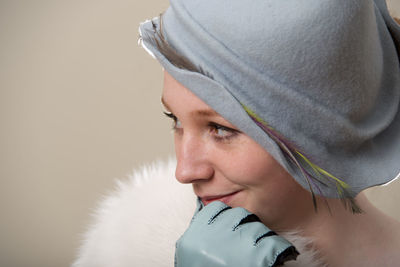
274 246
210 211
265 240
199 207
254 232
230 219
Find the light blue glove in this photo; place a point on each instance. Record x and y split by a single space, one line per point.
219 235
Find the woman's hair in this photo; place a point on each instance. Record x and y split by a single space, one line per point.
170 53
309 170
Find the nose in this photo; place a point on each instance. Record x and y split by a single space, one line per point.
193 162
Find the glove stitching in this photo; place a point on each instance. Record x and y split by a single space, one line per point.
276 255
247 219
215 216
261 237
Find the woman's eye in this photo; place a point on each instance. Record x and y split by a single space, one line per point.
221 132
218 132
176 122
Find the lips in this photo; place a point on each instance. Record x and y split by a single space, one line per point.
224 198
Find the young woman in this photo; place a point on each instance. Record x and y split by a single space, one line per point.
274 100
283 113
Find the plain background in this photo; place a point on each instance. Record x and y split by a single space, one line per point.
79 107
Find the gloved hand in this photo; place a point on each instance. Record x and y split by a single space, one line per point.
219 235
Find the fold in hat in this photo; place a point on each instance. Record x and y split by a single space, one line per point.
323 74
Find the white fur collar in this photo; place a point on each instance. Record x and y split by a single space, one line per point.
138 223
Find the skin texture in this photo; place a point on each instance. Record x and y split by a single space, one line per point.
219 161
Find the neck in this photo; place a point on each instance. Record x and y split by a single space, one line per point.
342 237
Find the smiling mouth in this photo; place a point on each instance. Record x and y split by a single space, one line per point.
224 198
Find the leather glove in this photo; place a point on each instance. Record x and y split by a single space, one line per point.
219 235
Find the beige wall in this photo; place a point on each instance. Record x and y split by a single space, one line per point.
79 106
394 6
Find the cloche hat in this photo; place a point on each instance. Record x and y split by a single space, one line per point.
316 83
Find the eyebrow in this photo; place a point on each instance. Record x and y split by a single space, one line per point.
200 112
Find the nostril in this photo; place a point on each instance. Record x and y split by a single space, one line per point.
188 172
182 176
192 159
183 173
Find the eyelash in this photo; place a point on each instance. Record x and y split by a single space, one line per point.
213 126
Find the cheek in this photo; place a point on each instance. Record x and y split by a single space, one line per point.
254 167
269 190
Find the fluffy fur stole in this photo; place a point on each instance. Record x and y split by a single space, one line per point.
138 223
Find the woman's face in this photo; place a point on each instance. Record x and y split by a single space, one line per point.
225 164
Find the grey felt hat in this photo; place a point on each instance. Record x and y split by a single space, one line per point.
316 83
